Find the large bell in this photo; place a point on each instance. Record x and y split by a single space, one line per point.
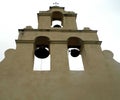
75 52
41 52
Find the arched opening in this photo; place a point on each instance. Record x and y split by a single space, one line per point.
41 54
57 19
74 54
56 24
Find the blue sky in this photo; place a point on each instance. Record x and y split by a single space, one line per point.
101 15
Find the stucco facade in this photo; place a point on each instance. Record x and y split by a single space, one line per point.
99 81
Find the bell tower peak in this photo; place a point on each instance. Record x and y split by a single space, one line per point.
57 18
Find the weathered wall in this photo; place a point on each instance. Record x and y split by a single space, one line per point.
18 81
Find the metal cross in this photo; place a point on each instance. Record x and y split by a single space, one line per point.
56 3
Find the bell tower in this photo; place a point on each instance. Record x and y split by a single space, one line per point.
56 36
55 39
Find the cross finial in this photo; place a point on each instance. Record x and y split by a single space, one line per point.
56 3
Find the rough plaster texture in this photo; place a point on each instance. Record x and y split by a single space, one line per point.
99 81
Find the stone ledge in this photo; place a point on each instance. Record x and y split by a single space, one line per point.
59 42
58 30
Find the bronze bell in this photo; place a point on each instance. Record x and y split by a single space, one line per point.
75 52
41 52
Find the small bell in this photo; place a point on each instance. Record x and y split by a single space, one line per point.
57 26
41 52
75 52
